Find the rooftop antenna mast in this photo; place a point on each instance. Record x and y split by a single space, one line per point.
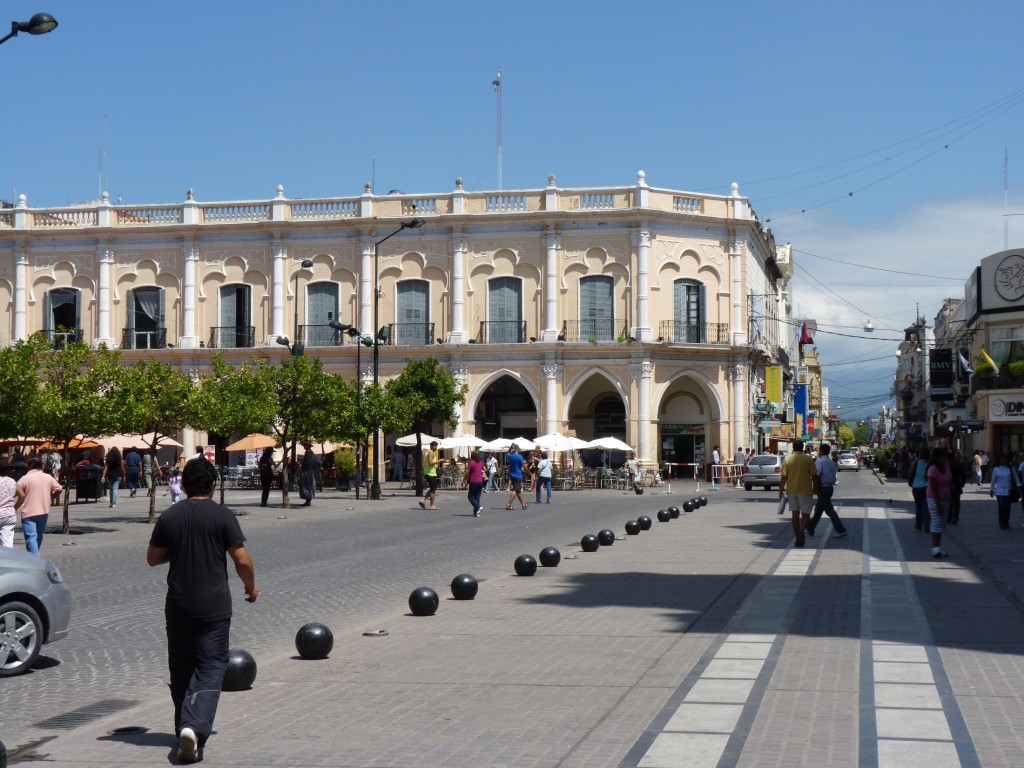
1006 198
103 159
496 82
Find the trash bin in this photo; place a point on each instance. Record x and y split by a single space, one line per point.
87 483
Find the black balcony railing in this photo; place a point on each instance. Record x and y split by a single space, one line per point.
693 333
410 334
595 330
320 336
501 332
136 339
232 337
1002 380
61 338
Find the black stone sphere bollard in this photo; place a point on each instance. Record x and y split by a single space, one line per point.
550 557
664 515
464 587
632 528
423 601
314 640
645 522
241 671
3 755
526 565
703 501
606 536
674 511
590 543
688 506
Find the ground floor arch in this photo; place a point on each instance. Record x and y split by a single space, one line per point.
505 408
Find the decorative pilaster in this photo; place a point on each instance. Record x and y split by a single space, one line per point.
738 375
460 246
642 374
739 328
279 252
190 253
552 244
642 242
460 373
366 252
105 263
20 292
552 375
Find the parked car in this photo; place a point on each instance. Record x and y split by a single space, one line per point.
848 460
35 608
763 470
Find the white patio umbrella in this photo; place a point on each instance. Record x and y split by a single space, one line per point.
560 443
524 443
609 444
130 440
410 440
498 445
462 441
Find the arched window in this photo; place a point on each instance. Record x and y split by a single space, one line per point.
689 313
146 328
505 311
413 325
597 308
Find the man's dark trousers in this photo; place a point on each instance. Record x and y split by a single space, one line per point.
825 505
197 655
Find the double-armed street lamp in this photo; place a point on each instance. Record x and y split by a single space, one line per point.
39 24
361 340
381 334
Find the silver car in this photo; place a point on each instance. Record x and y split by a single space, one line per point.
848 460
35 608
763 470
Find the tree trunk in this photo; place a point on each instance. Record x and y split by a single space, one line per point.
152 480
285 474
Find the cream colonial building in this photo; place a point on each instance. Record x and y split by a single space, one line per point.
634 311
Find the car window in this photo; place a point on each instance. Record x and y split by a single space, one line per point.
763 461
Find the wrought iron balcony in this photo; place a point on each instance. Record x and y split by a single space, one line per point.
693 333
594 330
135 339
232 337
410 334
501 332
320 336
62 337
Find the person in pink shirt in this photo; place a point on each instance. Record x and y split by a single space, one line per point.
474 480
39 489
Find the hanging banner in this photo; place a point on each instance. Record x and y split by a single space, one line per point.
800 408
773 384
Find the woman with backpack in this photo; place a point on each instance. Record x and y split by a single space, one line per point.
917 479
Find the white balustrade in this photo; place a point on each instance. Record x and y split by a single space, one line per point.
419 205
6 219
687 204
238 213
144 216
312 210
596 201
64 217
513 202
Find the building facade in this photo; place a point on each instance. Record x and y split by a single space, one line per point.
623 311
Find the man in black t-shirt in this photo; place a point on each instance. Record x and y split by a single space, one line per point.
196 536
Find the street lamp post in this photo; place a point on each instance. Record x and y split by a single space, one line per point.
354 333
296 347
414 224
39 24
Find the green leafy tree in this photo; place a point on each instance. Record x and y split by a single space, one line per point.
845 436
75 397
424 393
153 398
292 400
19 384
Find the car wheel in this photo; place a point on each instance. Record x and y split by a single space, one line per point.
21 638
747 486
767 487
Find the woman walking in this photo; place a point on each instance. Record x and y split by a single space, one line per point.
474 480
515 476
1003 482
917 477
11 497
113 473
266 467
940 493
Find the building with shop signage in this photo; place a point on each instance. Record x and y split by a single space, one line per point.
639 312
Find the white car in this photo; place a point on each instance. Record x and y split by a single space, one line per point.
35 608
848 460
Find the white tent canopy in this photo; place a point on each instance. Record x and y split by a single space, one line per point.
410 440
609 444
461 441
502 444
560 443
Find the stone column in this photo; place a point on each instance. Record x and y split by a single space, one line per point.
552 244
458 333
105 265
739 328
739 410
366 266
190 252
460 372
642 374
279 252
20 292
642 242
552 374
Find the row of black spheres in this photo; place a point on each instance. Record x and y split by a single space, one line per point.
424 601
315 640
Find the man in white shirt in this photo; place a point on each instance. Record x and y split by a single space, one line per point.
827 478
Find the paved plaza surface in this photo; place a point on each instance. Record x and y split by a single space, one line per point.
705 641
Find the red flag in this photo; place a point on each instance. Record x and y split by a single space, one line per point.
805 337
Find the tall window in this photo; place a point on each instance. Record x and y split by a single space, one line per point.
413 313
505 310
146 325
321 309
1007 343
597 309
61 313
689 312
235 317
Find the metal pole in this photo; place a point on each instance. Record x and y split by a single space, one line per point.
375 488
359 413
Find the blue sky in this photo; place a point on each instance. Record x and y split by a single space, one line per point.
233 98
